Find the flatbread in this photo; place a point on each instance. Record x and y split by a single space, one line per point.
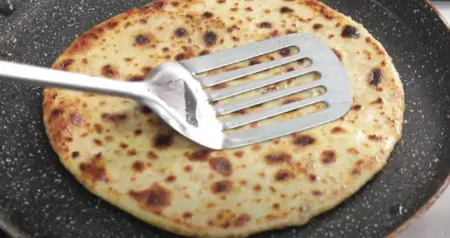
125 154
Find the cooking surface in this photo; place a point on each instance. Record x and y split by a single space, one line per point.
40 197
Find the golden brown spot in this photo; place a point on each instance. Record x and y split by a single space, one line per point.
210 38
94 169
265 25
181 32
146 71
356 171
208 14
378 101
112 24
375 138
114 117
304 140
138 132
317 26
136 78
312 178
276 206
187 168
65 64
278 158
285 52
291 100
356 107
123 145
162 141
223 186
76 119
143 21
204 52
286 10
75 154
155 198
109 138
187 215
98 128
338 130
180 57
254 62
132 152
242 220
239 154
221 166
142 40
350 32
353 151
171 179
200 155
328 157
151 155
284 175
98 142
109 72
316 193
338 54
257 188
138 166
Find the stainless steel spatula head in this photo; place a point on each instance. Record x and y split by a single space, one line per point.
177 93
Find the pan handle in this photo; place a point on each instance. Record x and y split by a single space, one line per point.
60 79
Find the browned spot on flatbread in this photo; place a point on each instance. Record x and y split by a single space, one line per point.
210 38
242 220
65 64
162 141
286 10
76 119
278 158
304 140
208 14
171 179
187 168
109 71
94 169
338 130
377 101
98 128
132 152
316 193
75 154
284 175
136 78
239 154
221 165
114 117
356 107
350 32
142 40
155 198
375 137
221 187
375 77
328 157
151 155
265 25
199 155
187 215
317 26
181 32
138 166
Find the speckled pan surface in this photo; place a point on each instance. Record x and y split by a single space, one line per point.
39 198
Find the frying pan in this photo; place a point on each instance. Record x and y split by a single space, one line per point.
39 198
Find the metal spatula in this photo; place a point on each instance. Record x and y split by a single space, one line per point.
177 95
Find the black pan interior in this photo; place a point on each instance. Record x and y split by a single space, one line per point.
39 198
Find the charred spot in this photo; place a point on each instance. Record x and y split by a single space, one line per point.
350 32
249 9
328 157
199 155
375 138
138 132
114 117
151 155
285 52
204 52
223 186
142 40
138 166
304 140
132 152
75 154
239 154
109 72
377 101
112 24
242 220
356 107
155 198
286 10
338 130
265 25
146 110
163 141
283 175
76 119
181 32
187 215
171 179
136 78
65 64
221 166
276 206
316 193
312 178
317 26
338 54
56 113
208 14
210 38
98 128
180 57
254 62
278 158
290 69
187 168
375 77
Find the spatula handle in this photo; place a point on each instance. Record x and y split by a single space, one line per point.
53 78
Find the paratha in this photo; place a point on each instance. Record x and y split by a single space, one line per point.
125 154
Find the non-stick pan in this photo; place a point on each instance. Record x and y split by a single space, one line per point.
39 198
